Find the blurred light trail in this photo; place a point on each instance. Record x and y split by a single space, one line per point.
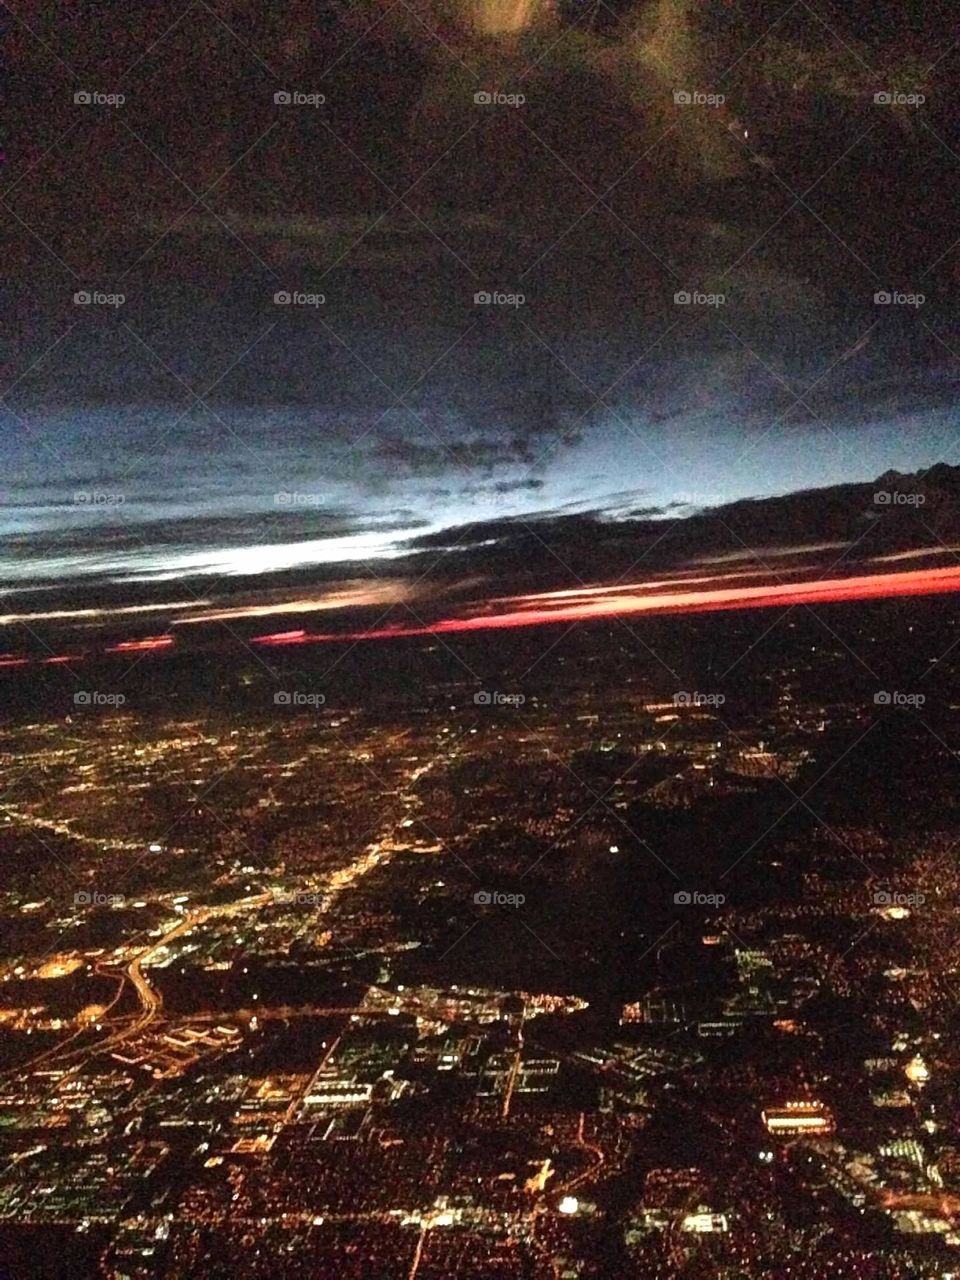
615 604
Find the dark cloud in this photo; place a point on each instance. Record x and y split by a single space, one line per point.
648 513
446 453
501 488
590 545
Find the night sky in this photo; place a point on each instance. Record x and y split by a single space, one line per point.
383 435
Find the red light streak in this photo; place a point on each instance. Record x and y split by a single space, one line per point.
282 637
592 603
526 613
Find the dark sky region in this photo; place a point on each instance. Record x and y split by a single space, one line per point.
284 385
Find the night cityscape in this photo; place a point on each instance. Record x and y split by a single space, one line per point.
479 731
